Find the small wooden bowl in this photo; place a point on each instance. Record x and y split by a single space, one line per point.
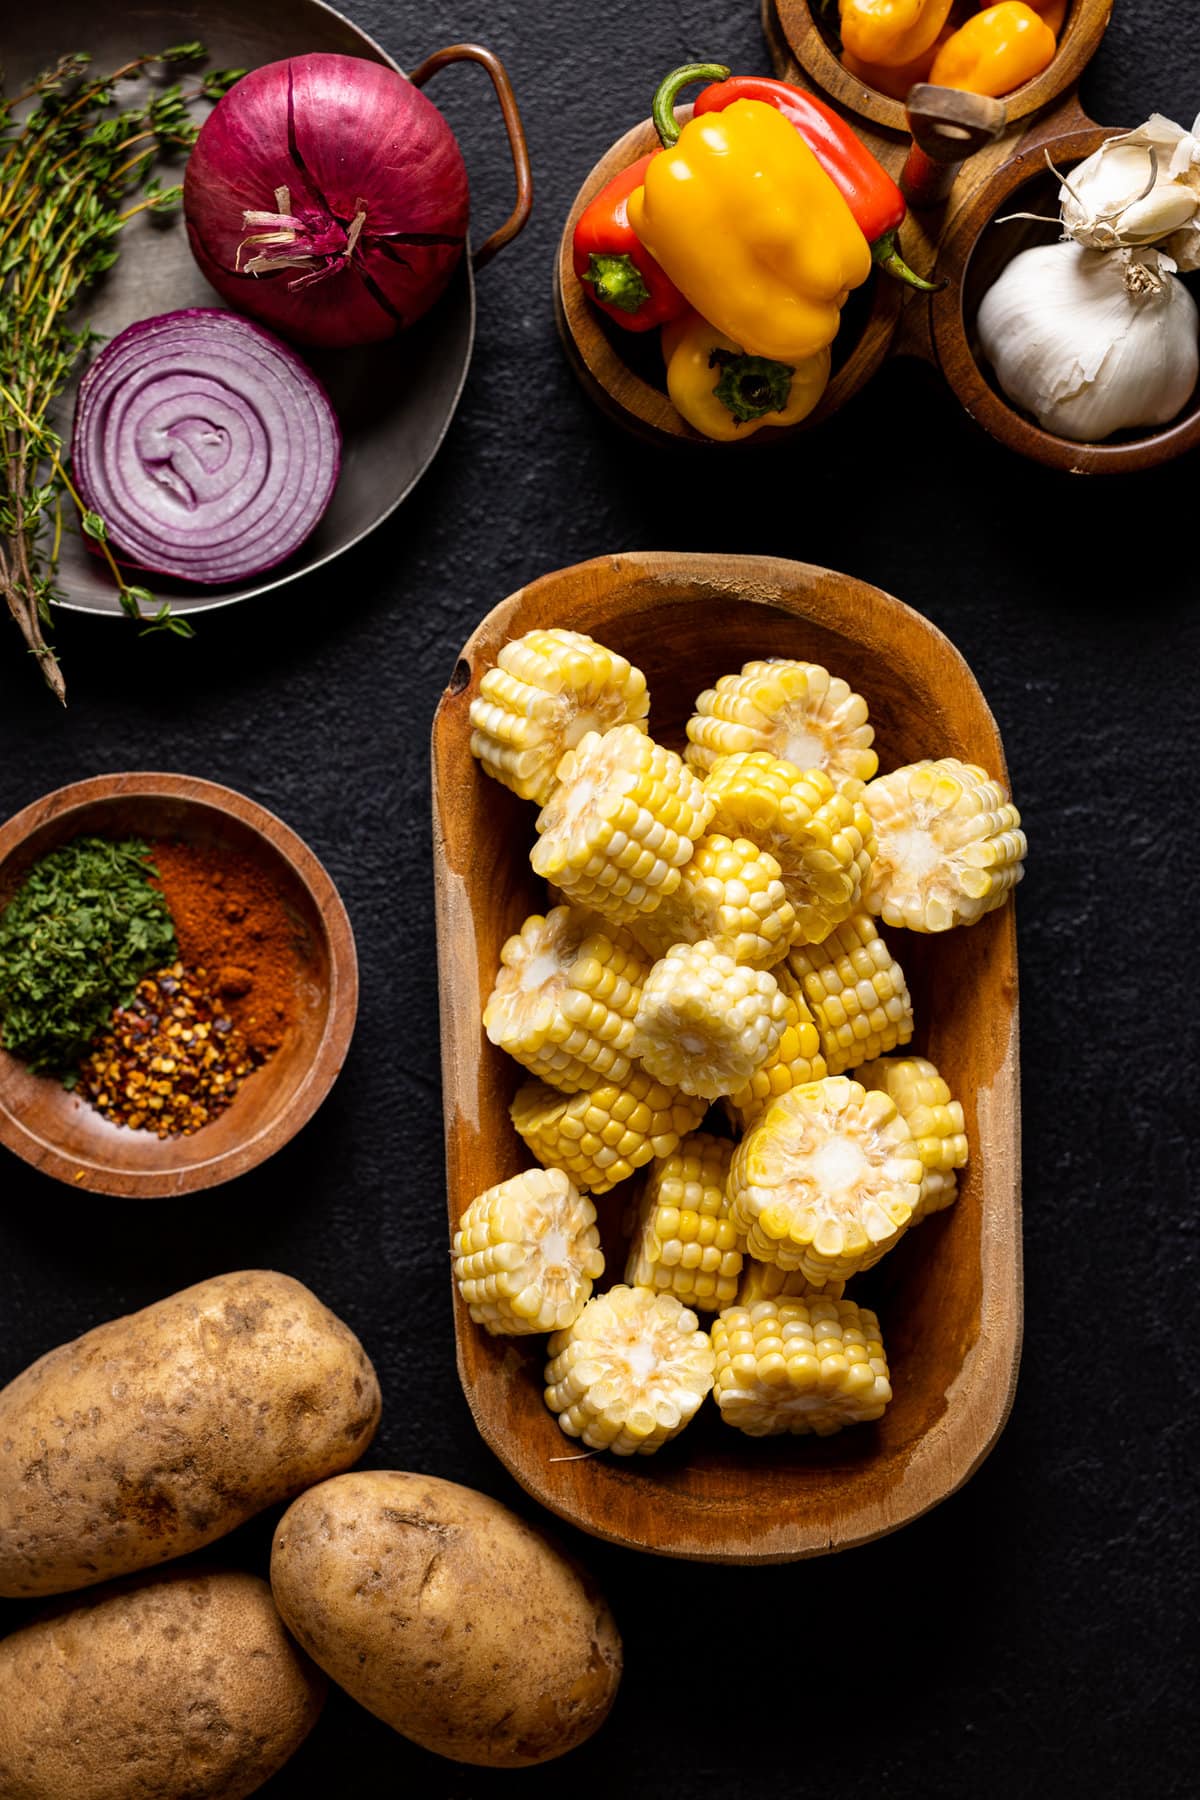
949 1296
622 370
60 1133
791 24
973 253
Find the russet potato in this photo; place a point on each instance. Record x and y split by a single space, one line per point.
446 1616
181 1685
157 1433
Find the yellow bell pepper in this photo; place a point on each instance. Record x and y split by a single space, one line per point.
891 32
728 395
750 228
895 80
996 51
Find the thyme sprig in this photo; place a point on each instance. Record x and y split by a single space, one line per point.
75 167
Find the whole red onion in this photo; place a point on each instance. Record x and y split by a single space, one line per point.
328 197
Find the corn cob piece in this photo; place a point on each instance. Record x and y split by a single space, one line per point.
826 1182
767 1281
630 1372
730 893
565 998
857 992
950 845
526 1254
704 1023
797 1060
600 1137
795 710
621 823
935 1119
546 691
820 834
803 1365
682 1242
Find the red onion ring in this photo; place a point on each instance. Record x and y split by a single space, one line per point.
206 446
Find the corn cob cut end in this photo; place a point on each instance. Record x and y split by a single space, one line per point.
794 710
950 845
826 1182
546 691
526 1254
630 1373
683 1241
799 1365
705 1023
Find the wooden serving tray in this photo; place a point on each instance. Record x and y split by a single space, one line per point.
950 1296
952 241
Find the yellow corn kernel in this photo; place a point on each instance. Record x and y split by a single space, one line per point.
826 1182
546 691
950 845
621 823
820 834
730 893
682 1242
565 998
935 1119
857 992
801 1365
526 1253
630 1372
704 1023
767 1281
794 710
600 1137
797 1060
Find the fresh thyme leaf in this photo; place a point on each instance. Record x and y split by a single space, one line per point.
82 929
70 172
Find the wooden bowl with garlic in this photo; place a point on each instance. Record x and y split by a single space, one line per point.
1025 308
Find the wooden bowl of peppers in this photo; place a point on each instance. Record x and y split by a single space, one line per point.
867 57
677 311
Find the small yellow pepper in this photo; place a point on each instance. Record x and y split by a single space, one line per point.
1053 11
996 51
898 80
728 395
891 32
752 231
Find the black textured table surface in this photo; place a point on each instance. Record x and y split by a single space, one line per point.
1028 1635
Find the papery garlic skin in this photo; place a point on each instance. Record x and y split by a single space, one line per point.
1092 342
1140 188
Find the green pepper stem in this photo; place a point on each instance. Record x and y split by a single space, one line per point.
669 89
885 256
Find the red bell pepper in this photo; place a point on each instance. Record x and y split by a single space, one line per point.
625 281
865 185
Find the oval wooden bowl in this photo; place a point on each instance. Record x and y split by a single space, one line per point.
972 255
949 1296
60 1133
622 372
791 23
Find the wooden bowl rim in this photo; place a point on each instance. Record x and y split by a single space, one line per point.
594 358
982 1392
341 1012
1086 24
961 368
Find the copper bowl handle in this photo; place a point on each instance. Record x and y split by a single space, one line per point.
512 123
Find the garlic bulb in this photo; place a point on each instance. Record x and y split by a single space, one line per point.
1091 342
1140 188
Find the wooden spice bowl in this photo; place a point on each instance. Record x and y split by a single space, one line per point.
793 22
57 1131
974 252
950 1296
622 371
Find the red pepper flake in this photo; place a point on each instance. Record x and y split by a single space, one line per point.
158 1068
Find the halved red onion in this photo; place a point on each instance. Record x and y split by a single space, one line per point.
207 447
